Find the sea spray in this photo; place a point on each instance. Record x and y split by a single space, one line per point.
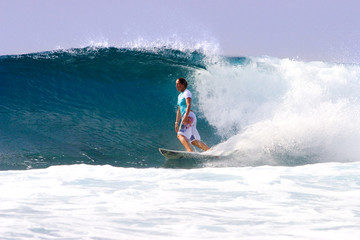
281 111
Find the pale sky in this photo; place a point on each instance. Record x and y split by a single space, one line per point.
327 30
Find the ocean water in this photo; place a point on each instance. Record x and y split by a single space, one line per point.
80 131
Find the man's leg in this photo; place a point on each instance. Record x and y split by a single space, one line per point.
185 142
200 144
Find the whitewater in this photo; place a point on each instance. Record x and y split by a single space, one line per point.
317 201
80 129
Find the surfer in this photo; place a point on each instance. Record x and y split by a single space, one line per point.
188 131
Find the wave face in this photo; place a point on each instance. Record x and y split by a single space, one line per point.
117 106
91 105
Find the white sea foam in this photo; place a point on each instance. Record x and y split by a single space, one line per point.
271 107
206 45
319 201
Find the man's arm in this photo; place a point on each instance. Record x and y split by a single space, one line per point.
188 108
178 116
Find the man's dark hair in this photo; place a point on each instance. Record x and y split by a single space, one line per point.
183 82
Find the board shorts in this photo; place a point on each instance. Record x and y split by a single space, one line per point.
189 130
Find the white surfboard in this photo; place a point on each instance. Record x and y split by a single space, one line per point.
174 154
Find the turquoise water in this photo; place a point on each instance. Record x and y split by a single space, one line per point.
95 106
